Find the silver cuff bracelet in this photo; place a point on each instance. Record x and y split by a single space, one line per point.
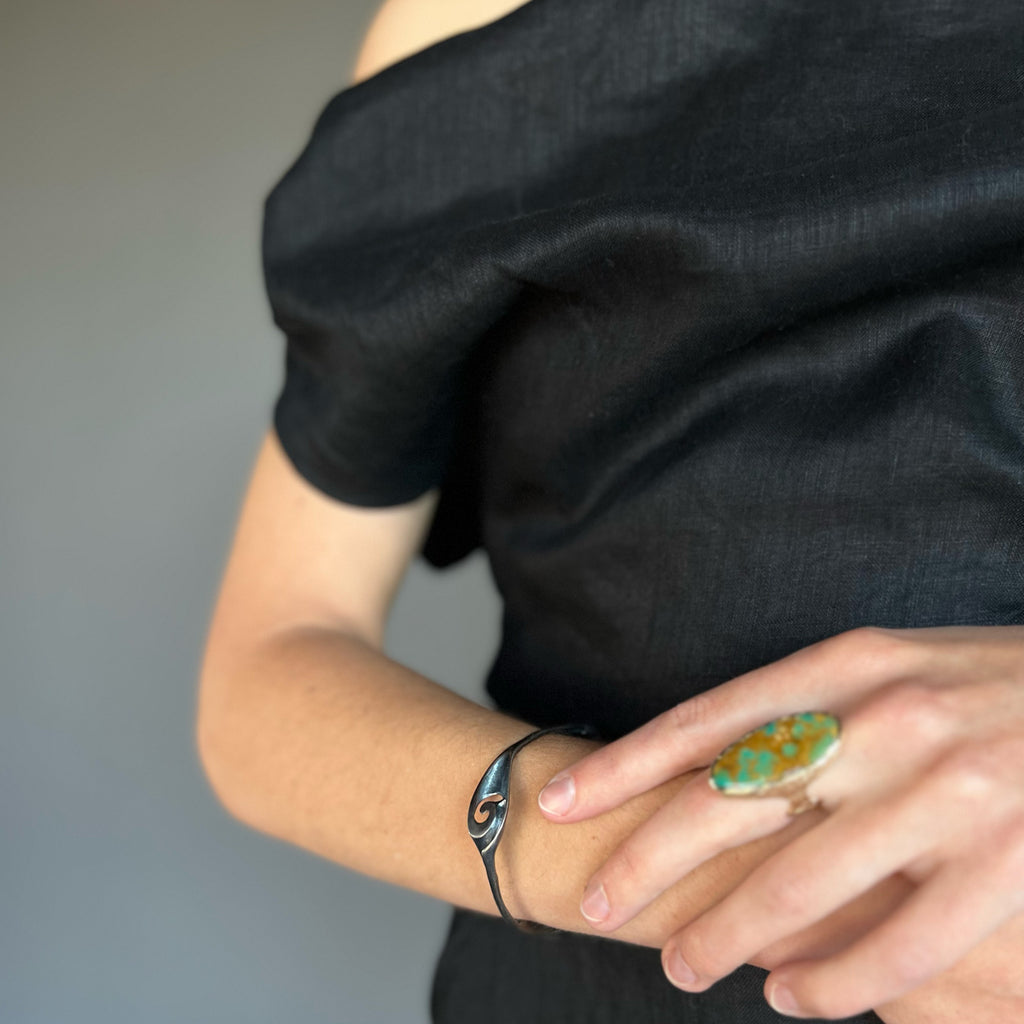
489 808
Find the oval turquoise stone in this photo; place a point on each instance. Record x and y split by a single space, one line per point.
775 752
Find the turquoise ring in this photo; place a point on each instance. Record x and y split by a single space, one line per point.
778 758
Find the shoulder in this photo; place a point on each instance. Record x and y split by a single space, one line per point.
403 27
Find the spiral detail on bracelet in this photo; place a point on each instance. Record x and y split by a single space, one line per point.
487 818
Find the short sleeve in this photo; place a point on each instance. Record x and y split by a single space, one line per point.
429 199
383 266
378 315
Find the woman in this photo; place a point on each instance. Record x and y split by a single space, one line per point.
704 320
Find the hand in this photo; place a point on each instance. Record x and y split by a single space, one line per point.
928 783
985 987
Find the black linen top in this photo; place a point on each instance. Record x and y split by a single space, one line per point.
707 317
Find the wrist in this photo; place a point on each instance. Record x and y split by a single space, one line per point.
535 857
543 866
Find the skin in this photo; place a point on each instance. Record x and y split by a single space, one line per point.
402 27
926 785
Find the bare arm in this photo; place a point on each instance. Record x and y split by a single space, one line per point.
309 732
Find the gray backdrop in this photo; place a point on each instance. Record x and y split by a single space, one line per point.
138 368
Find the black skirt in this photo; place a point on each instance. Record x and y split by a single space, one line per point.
490 971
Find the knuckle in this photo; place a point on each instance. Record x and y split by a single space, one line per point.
601 773
865 640
926 715
689 718
695 712
604 774
972 775
786 897
869 635
698 953
681 716
624 874
910 963
876 645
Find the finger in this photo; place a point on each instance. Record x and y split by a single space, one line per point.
939 924
667 846
826 675
810 878
840 928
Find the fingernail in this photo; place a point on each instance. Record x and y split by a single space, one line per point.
782 1001
678 970
558 795
594 905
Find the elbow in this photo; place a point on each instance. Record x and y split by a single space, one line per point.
227 744
213 743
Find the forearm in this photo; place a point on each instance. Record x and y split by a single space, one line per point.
321 740
317 738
